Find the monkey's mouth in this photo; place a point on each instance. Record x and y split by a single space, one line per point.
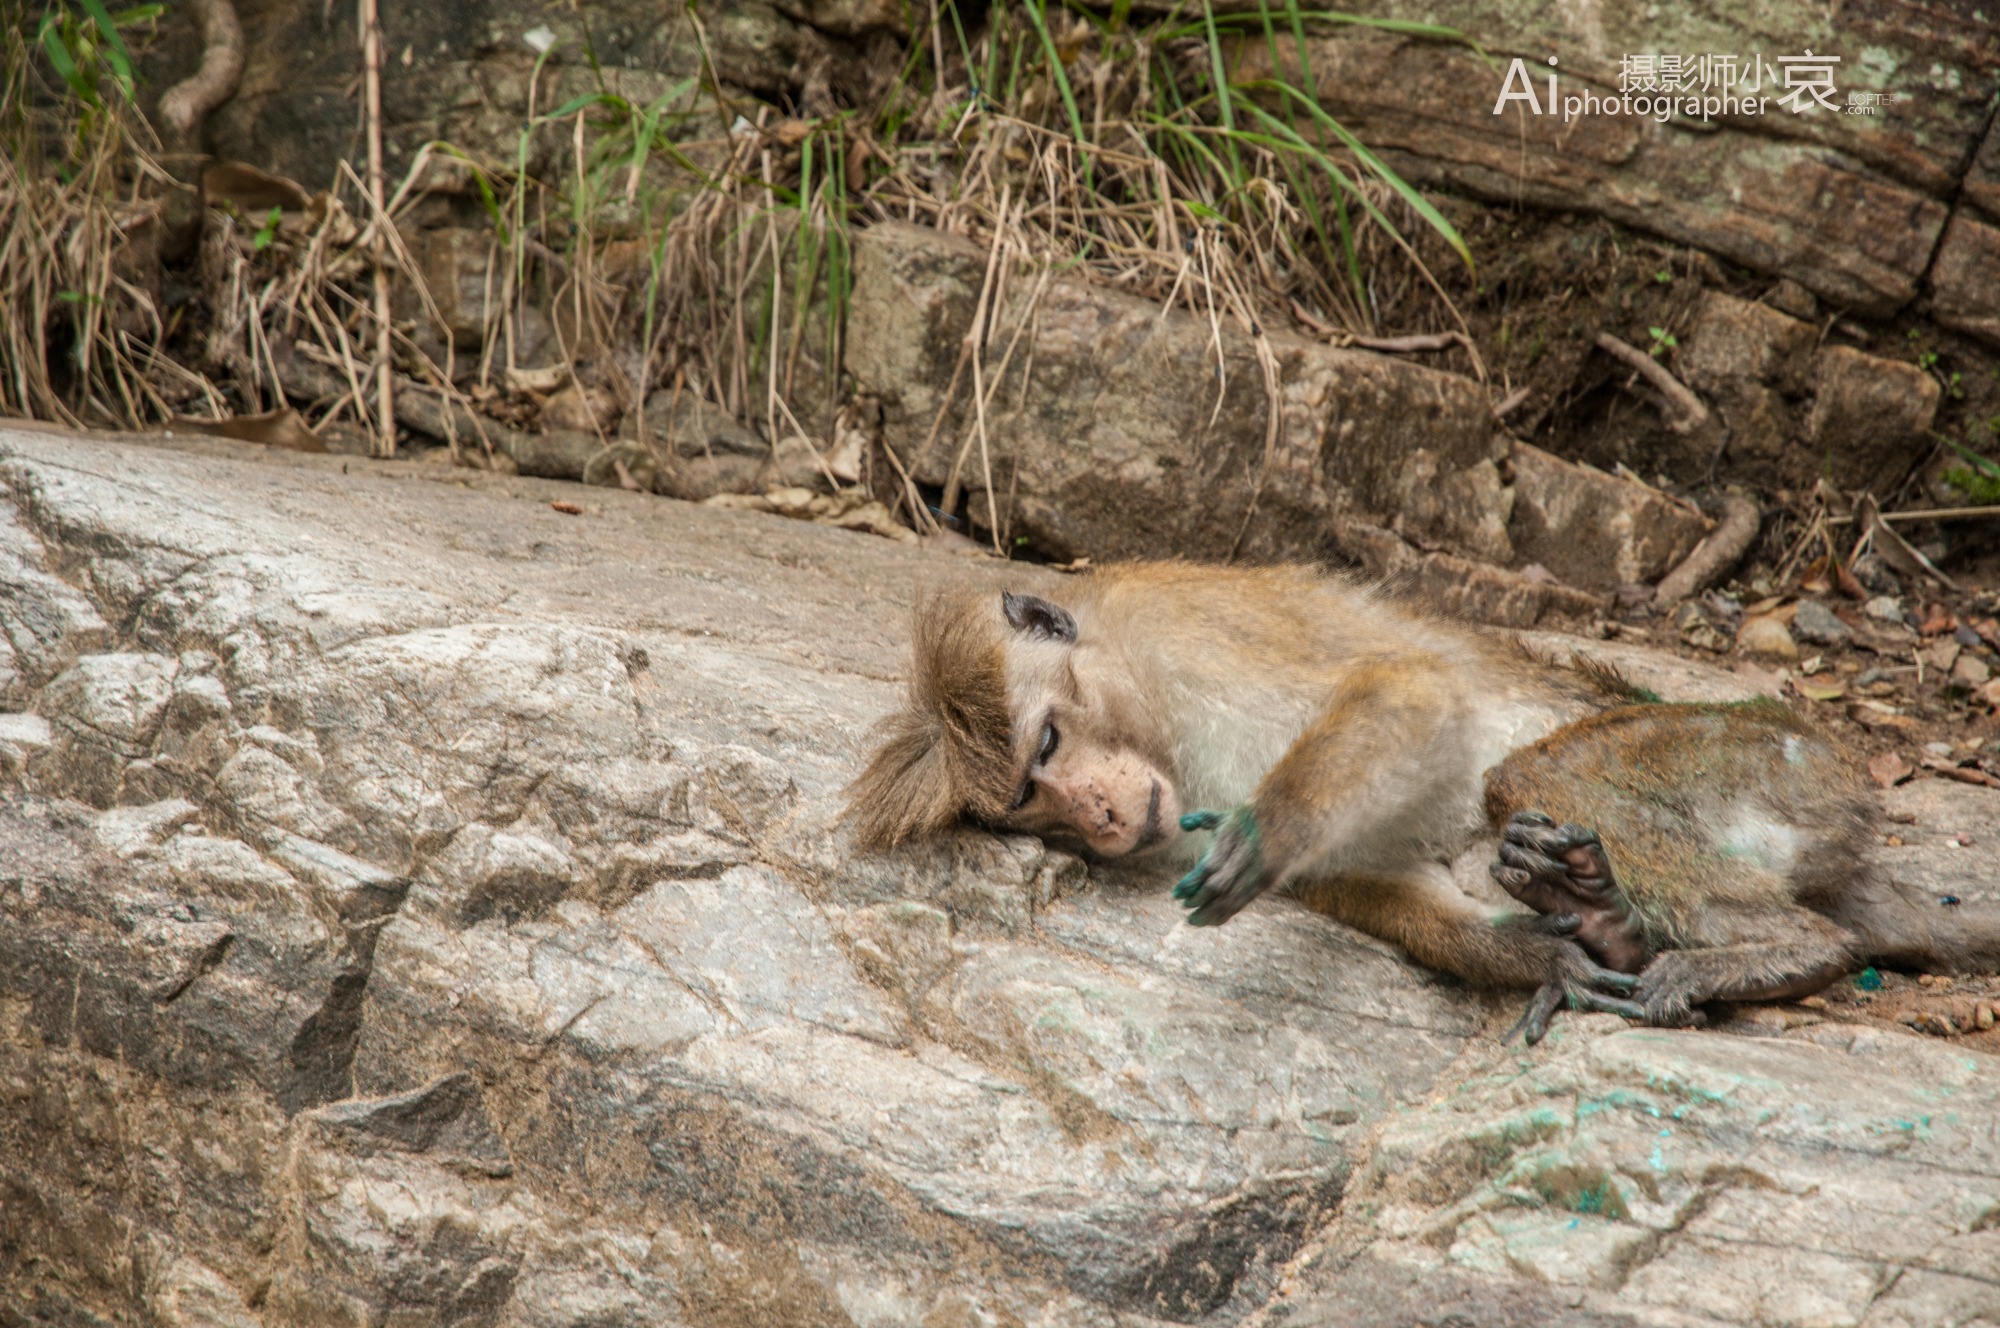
1152 833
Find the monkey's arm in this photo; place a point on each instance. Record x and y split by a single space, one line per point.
1351 794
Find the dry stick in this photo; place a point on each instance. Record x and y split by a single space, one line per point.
371 77
1687 406
187 103
975 337
1716 554
920 516
386 231
1201 242
1929 514
1031 313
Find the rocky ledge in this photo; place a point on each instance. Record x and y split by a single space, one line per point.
421 905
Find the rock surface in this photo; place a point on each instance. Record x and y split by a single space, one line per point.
1594 530
1851 203
1120 443
421 906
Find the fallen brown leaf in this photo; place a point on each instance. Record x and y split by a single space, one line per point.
1889 770
567 509
1869 715
284 428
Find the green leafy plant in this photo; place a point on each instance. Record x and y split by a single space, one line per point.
1978 479
1663 341
267 232
89 56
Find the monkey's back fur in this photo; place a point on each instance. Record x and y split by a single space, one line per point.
1704 806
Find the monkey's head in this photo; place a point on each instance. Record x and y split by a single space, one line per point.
1017 721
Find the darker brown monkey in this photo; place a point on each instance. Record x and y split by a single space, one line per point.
1740 834
1343 746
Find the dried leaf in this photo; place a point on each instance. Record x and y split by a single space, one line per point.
284 428
1898 552
1819 689
537 380
1870 715
567 509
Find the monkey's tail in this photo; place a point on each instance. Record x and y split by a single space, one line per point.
1907 928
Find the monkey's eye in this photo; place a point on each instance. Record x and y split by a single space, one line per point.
1049 740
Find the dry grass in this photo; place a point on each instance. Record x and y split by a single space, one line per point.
702 244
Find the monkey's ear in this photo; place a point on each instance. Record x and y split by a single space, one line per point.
1037 617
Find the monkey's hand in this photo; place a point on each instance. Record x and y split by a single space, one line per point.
1563 871
1577 983
1230 874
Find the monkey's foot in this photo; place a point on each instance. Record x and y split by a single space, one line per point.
1564 870
1230 874
1578 984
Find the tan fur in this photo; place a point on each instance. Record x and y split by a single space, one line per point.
949 753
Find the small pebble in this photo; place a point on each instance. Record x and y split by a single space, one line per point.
1982 1017
1884 608
1766 636
1815 622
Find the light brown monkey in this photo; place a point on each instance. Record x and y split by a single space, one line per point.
1345 743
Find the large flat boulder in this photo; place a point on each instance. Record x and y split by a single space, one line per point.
380 835
418 905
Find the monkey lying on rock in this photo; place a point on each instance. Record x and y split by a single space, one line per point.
1353 750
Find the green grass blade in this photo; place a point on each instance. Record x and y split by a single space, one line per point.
1036 17
1221 77
1418 203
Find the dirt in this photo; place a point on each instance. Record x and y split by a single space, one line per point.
1922 1005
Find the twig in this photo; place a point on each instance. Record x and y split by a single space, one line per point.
187 103
371 75
975 339
1687 406
1931 514
1717 553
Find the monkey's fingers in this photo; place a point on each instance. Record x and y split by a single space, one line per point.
1536 881
1596 1002
1534 1021
1190 885
1610 979
1201 820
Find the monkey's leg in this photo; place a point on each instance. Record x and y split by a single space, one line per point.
1812 953
1426 914
1564 871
